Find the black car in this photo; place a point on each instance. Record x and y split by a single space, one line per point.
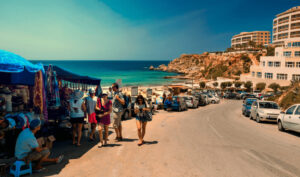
201 99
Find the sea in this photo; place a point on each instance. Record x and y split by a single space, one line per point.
132 73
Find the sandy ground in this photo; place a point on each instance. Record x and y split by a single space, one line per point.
215 140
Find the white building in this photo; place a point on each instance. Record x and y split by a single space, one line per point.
285 65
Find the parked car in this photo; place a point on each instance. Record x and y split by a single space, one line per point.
201 99
178 104
247 106
249 96
264 111
290 119
213 99
191 101
206 99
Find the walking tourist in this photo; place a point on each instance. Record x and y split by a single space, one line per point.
28 150
141 109
105 105
117 108
90 109
77 109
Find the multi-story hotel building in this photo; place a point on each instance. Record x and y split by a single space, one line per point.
286 26
285 65
259 37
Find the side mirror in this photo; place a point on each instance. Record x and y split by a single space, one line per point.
282 112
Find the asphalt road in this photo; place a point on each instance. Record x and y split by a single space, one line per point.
215 140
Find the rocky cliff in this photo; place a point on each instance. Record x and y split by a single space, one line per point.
211 65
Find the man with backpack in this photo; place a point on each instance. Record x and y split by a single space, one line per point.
117 109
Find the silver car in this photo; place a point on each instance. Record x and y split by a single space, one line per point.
191 101
264 111
290 119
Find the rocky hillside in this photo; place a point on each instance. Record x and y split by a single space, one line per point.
211 65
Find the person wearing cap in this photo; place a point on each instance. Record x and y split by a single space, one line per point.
28 150
91 104
77 109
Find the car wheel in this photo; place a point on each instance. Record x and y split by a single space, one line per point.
280 126
257 119
213 102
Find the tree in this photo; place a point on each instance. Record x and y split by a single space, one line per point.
202 85
238 84
274 86
248 85
223 85
229 84
260 86
215 84
270 51
252 44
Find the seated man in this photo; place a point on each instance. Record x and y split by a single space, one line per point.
27 147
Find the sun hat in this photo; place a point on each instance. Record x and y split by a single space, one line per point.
34 124
77 94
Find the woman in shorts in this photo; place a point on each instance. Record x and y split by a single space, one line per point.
77 109
105 105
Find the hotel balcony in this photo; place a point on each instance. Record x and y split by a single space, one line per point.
283 29
295 18
294 35
283 21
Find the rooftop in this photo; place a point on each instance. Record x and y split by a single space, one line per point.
294 9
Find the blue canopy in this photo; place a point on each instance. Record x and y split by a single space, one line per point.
16 70
13 63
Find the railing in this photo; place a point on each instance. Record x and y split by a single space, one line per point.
295 18
294 35
283 21
295 27
282 37
283 29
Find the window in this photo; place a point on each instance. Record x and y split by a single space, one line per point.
297 53
259 75
253 74
289 44
297 112
269 75
270 64
277 64
287 54
296 44
290 64
282 76
298 64
296 77
290 111
264 63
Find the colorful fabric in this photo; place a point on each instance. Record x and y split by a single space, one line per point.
38 91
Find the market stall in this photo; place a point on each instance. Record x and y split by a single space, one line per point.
22 97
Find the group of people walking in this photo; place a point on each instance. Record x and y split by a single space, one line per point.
100 110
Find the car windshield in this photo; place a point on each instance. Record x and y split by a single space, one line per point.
268 105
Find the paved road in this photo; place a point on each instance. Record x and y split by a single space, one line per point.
215 140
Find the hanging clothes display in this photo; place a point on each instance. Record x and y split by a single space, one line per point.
53 98
38 91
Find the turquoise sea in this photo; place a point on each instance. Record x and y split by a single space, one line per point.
131 72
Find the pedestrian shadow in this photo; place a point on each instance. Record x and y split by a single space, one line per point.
110 145
150 142
129 140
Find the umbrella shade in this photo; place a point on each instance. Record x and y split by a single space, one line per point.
13 63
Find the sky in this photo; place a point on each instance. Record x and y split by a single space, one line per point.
129 29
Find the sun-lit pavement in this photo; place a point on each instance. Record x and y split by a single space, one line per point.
215 140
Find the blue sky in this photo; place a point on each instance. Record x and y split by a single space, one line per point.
129 29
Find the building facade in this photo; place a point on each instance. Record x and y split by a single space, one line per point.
259 37
285 65
286 26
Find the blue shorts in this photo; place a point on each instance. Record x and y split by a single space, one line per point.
142 119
